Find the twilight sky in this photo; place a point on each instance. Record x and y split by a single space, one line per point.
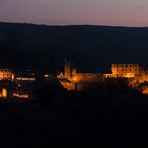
67 12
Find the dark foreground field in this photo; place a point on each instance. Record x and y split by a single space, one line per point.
72 118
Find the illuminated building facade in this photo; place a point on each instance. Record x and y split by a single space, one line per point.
124 70
128 71
70 79
6 74
3 93
25 77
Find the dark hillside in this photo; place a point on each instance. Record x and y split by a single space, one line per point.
89 46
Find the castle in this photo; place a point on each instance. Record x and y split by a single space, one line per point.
128 71
71 80
124 70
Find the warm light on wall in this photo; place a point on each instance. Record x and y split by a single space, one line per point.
23 96
6 74
75 79
46 76
144 90
25 79
129 75
3 94
12 77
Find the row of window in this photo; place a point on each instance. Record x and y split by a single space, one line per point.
127 70
125 65
5 75
119 75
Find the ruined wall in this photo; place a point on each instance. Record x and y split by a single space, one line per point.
125 70
87 77
143 76
83 81
86 81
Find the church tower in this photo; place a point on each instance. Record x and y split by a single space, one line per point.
74 72
67 70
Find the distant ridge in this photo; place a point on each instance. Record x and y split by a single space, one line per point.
89 46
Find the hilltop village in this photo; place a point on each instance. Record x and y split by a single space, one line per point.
27 84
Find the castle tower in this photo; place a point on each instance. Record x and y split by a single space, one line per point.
67 70
74 72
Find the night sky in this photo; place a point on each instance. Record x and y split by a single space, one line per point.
67 12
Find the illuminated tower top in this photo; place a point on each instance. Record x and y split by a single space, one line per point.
67 69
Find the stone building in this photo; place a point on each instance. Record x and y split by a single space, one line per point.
124 70
72 80
128 71
6 74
